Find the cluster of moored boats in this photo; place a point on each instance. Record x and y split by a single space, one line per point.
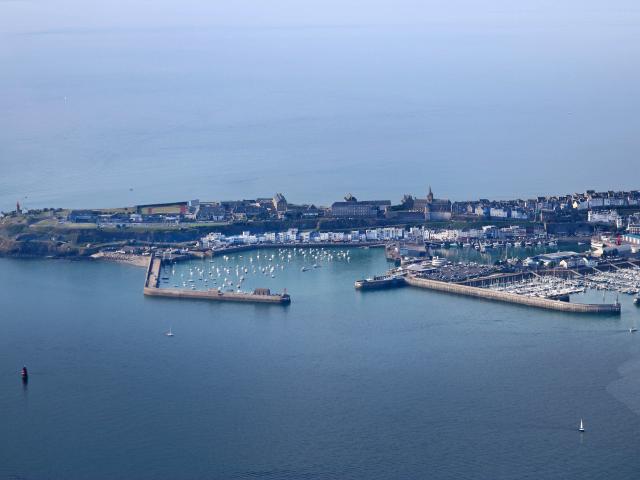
543 287
229 272
624 280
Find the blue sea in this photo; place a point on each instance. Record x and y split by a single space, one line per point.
339 385
128 102
123 103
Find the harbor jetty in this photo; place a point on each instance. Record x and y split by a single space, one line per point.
559 302
259 295
538 302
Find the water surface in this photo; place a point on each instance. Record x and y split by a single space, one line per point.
341 384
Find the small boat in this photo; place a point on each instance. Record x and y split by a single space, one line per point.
169 333
24 373
304 269
581 427
636 301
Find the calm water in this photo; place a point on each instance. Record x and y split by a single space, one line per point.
228 100
345 385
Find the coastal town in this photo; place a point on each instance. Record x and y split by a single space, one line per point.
609 221
571 213
519 242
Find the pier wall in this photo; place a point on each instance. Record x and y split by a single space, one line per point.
153 273
216 296
151 288
511 297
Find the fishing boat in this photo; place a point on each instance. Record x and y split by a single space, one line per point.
24 373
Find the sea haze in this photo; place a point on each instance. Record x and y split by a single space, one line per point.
217 102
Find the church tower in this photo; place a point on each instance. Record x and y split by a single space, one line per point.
430 195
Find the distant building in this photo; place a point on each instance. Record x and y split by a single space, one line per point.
437 209
352 208
429 209
177 208
631 238
605 216
498 212
279 203
210 211
83 216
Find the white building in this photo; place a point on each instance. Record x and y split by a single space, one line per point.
611 217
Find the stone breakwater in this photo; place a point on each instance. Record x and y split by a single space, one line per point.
152 281
605 308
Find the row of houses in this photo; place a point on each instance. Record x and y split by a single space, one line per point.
386 234
601 207
543 206
293 235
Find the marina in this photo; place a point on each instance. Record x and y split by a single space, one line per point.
224 276
538 302
239 275
552 288
259 295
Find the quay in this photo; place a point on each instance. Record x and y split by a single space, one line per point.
539 302
558 303
259 295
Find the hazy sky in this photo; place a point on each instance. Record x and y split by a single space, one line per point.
26 15
202 99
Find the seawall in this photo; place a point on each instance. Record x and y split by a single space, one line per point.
151 288
605 308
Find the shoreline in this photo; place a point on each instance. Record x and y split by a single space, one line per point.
126 258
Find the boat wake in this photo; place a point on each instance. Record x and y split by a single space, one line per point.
626 389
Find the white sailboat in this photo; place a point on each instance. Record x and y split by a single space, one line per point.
581 427
169 333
